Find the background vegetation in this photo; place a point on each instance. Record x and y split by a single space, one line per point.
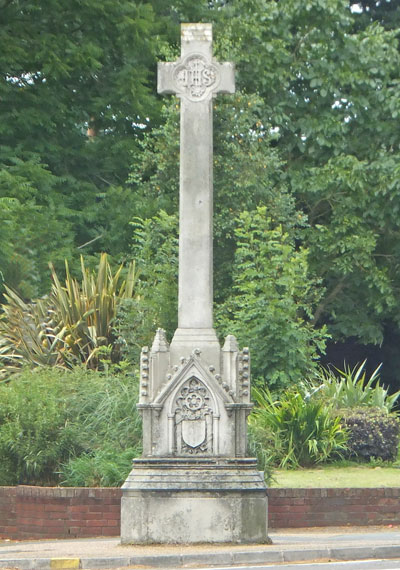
68 427
306 225
306 156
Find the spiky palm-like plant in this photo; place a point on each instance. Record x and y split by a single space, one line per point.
29 333
88 309
296 431
350 388
72 325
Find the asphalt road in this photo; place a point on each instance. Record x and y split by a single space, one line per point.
348 565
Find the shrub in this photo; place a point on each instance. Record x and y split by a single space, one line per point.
294 431
57 425
36 431
155 247
108 467
271 302
373 433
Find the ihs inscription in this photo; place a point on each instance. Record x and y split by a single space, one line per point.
196 77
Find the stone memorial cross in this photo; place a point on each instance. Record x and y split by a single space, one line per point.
196 78
194 481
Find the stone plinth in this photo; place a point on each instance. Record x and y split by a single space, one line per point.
194 482
185 500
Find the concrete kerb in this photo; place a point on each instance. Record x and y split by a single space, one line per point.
213 559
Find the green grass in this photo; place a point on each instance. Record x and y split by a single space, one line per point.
338 476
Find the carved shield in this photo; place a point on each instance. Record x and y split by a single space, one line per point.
193 432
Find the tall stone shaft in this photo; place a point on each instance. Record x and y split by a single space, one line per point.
195 230
196 78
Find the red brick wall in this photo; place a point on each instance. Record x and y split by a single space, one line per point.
333 507
54 512
8 521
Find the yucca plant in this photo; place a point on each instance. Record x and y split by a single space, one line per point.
74 324
29 333
350 388
304 431
88 309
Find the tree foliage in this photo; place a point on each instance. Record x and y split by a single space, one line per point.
311 135
271 304
69 71
155 248
329 81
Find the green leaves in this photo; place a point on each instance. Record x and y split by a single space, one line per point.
87 310
350 388
63 68
85 431
351 247
71 325
30 333
329 87
155 247
271 304
304 432
373 434
311 134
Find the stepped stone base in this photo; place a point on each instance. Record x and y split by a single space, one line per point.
186 501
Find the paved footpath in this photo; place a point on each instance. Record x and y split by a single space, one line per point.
344 543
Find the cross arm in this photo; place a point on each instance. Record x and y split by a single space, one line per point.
165 80
227 78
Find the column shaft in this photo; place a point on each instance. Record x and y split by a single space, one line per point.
196 212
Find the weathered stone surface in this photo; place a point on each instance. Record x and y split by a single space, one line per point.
191 501
179 518
207 474
194 482
195 411
196 78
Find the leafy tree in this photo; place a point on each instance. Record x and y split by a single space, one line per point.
76 93
247 173
272 301
318 142
330 91
35 223
155 248
311 134
326 77
386 12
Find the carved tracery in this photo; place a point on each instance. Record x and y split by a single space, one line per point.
193 418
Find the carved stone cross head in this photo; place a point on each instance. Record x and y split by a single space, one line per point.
195 75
